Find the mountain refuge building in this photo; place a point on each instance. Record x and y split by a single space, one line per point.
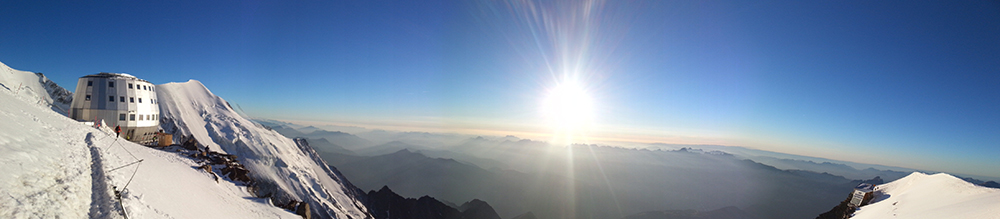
861 194
119 100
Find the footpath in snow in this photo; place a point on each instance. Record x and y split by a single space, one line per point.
47 164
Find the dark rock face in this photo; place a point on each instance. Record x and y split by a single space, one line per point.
386 204
478 209
874 181
991 184
303 210
843 210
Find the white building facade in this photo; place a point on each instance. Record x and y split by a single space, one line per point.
119 100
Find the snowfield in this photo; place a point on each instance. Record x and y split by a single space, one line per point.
286 171
932 196
47 171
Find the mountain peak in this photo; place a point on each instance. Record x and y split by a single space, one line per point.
478 209
940 195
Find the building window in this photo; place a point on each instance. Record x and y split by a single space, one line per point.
121 117
122 99
90 83
111 99
131 117
131 99
140 100
143 87
129 86
87 98
111 84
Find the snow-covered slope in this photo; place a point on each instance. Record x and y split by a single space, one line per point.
932 196
46 171
35 88
278 165
54 167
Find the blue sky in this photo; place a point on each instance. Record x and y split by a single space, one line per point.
912 84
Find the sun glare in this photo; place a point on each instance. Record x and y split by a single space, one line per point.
568 110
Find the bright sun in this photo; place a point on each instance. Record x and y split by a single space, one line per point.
568 109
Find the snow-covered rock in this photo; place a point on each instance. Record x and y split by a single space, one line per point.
35 88
280 167
932 196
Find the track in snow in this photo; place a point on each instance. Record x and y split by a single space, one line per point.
102 205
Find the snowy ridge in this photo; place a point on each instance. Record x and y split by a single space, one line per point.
285 171
932 196
35 88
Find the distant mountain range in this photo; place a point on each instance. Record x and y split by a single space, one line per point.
385 203
832 168
655 187
722 213
531 179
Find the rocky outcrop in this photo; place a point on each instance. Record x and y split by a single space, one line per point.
991 184
386 204
844 210
478 209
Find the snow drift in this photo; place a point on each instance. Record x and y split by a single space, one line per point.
932 196
283 171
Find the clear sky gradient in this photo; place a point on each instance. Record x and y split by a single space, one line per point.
905 83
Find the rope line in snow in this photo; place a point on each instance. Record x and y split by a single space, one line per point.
136 161
129 164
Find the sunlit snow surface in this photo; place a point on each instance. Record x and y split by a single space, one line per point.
46 163
195 111
34 89
932 196
54 167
